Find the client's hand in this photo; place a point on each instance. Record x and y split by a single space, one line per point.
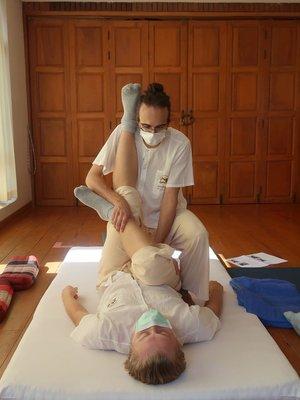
121 214
70 291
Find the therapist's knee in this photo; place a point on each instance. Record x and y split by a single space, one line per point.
195 232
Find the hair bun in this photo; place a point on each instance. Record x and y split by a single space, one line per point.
155 88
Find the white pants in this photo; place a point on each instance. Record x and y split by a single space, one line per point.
187 234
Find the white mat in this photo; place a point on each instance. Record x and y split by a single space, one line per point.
241 362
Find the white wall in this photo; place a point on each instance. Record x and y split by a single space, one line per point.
19 104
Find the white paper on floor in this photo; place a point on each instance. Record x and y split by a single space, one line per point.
255 260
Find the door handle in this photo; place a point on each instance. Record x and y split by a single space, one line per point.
190 117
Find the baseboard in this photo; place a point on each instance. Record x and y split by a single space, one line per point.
12 216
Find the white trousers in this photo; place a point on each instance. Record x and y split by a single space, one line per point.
187 234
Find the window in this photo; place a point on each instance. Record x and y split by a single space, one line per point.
8 184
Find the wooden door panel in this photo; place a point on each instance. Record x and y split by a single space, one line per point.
280 136
282 91
280 110
207 73
90 92
243 136
245 45
242 180
167 64
166 35
89 46
208 55
128 45
278 179
244 93
51 92
172 86
128 63
52 133
205 137
54 180
49 45
90 137
89 75
206 180
50 107
206 92
283 49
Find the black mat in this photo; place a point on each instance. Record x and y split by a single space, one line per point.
287 274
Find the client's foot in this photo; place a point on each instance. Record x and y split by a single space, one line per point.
130 95
93 200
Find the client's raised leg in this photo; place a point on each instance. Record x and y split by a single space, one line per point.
127 176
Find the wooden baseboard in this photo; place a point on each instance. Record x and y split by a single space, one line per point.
13 216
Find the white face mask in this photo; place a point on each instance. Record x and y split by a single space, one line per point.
150 318
152 139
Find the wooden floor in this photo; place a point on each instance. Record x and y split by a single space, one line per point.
49 232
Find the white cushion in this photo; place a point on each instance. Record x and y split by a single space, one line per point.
241 362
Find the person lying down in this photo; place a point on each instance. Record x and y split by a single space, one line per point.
141 312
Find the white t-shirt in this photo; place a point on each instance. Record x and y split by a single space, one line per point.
168 165
124 300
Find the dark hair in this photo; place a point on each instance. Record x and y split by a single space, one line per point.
156 369
156 97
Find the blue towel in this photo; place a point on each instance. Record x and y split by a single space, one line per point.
267 298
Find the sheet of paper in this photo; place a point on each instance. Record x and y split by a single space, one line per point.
255 260
246 262
268 258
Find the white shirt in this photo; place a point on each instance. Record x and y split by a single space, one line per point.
168 165
124 300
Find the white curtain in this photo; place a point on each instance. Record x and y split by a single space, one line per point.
8 185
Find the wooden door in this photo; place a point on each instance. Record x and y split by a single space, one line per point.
244 95
281 108
207 100
128 61
90 100
168 64
51 113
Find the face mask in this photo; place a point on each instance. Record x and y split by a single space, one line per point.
153 138
150 318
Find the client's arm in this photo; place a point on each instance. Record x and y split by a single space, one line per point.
215 301
72 306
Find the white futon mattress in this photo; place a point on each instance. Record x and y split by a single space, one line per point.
241 362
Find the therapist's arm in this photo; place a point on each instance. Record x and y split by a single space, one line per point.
167 214
72 306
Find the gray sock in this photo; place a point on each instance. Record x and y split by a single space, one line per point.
130 95
93 200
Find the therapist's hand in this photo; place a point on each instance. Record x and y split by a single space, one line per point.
121 214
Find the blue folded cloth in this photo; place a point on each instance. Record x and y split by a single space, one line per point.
267 298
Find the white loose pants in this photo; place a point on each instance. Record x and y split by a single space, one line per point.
187 234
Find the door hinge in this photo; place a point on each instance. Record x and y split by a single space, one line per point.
265 54
259 194
221 199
